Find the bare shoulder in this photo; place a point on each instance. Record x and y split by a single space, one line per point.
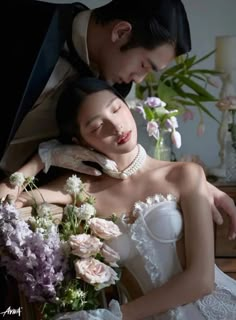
178 171
186 171
173 177
187 176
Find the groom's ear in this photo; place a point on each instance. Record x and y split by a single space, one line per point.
121 32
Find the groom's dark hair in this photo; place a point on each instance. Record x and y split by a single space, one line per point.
154 22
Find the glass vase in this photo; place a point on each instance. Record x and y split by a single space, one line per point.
162 150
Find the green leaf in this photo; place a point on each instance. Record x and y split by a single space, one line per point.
205 71
200 98
199 77
139 91
196 87
189 61
206 56
149 113
205 110
165 93
185 102
159 112
172 70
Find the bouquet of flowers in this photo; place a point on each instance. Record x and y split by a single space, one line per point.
62 264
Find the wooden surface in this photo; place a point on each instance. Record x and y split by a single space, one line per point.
55 210
228 266
223 246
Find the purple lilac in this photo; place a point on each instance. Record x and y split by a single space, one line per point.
37 261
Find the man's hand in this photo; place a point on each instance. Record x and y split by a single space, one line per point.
221 201
53 153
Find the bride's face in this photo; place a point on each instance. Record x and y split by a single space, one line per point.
106 123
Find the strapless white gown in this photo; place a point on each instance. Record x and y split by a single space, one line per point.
148 250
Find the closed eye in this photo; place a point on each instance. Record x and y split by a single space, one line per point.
116 110
98 127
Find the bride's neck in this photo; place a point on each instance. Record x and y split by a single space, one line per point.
124 160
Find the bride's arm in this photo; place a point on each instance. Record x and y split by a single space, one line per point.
31 168
197 279
50 193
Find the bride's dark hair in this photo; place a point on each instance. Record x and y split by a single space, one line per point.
73 95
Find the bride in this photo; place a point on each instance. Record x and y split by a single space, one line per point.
165 215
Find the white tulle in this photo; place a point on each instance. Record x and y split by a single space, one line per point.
152 259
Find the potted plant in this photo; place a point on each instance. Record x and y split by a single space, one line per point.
179 87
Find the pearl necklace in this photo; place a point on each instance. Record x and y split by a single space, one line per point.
135 165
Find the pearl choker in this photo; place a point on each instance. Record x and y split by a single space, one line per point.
135 165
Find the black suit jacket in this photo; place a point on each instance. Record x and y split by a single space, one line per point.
36 32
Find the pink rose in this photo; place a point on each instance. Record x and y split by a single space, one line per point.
104 229
95 272
85 245
110 256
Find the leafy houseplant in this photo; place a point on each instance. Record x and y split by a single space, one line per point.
180 86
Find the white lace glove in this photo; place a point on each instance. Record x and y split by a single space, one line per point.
113 313
53 153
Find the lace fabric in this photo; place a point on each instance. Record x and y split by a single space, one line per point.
221 304
44 152
147 250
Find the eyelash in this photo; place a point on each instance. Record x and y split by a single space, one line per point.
115 111
94 130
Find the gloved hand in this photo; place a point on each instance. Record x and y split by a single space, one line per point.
113 313
53 153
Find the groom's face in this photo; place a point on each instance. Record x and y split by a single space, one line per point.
134 64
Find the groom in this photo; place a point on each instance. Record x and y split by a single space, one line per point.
49 43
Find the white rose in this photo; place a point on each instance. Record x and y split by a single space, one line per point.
104 229
84 245
95 272
17 179
110 256
86 211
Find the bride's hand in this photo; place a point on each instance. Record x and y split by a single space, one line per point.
221 201
53 153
